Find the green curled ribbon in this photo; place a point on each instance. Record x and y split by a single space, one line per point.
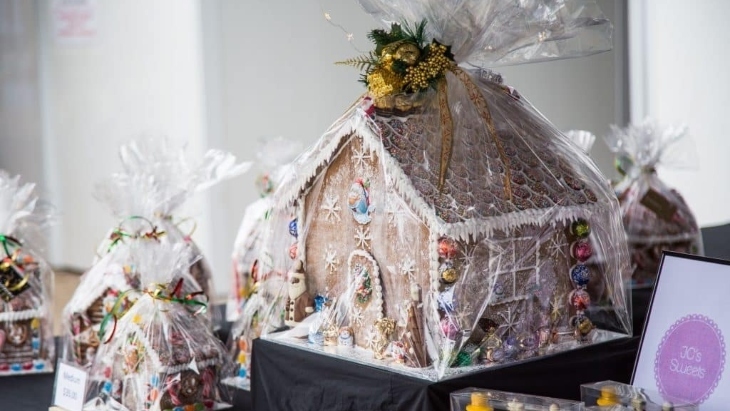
8 242
157 292
112 315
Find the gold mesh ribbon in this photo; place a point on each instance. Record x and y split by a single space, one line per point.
447 127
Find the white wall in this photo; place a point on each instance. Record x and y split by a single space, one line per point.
679 74
140 74
21 134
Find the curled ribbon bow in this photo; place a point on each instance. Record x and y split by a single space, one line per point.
157 292
119 234
15 265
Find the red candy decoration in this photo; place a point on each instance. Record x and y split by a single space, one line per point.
449 327
447 247
27 365
580 299
293 250
4 366
581 251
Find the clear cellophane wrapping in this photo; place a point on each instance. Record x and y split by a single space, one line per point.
26 282
159 355
479 399
435 249
272 159
655 216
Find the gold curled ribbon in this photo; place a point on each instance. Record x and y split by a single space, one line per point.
480 103
187 237
447 132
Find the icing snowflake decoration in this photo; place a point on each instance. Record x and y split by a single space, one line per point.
356 316
371 338
408 268
510 321
330 259
331 209
394 211
362 237
361 157
556 248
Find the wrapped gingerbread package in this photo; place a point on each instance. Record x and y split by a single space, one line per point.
449 226
655 216
272 159
157 180
111 286
26 282
159 355
262 312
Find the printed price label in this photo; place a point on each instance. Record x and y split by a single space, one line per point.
70 387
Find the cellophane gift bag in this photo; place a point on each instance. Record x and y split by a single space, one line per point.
272 158
158 178
111 286
159 355
449 226
655 216
26 282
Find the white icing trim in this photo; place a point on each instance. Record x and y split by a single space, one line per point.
302 224
653 239
433 251
102 276
355 121
375 280
182 367
10 316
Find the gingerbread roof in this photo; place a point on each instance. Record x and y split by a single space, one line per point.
550 178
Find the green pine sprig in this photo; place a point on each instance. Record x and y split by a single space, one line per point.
363 63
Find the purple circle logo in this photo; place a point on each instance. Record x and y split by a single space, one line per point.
690 359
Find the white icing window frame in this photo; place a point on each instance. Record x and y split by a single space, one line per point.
493 248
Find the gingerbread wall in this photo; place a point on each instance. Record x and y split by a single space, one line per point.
388 231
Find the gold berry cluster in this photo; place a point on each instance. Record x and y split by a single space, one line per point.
436 63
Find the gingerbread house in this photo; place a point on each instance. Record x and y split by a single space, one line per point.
26 336
94 299
513 235
160 358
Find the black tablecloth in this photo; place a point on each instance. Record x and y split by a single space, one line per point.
288 378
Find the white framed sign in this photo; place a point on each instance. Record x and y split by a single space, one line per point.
70 387
683 350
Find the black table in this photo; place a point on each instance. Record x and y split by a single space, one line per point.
288 378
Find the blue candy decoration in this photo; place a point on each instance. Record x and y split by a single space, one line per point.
316 338
36 343
580 274
15 367
319 302
108 386
293 228
178 409
155 380
39 366
242 372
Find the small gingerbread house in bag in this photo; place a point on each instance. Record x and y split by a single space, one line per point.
26 283
159 355
447 223
656 217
